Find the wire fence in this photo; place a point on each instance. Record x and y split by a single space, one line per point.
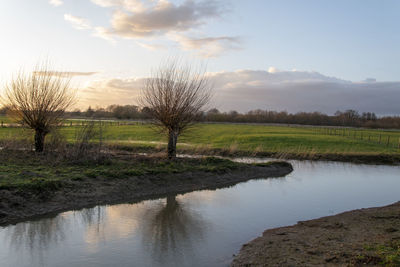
387 138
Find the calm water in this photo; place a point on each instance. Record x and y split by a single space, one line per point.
201 228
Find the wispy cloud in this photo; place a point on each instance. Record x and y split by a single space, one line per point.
78 22
208 46
130 5
153 47
56 2
112 91
150 19
103 33
65 73
138 19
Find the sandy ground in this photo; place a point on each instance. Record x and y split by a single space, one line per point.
340 240
17 205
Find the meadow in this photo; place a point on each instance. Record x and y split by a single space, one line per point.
242 139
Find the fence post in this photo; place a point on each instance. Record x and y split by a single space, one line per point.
388 140
399 143
361 135
2 125
380 138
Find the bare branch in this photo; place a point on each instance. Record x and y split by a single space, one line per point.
38 99
175 96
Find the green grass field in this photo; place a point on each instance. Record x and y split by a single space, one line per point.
248 139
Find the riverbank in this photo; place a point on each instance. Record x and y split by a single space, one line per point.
370 158
357 158
33 186
360 237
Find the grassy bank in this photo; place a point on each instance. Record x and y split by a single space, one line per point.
25 170
32 185
254 140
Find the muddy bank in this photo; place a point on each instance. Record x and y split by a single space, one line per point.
18 205
375 159
357 158
360 237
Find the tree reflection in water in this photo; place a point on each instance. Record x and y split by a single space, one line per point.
38 236
93 217
43 233
171 230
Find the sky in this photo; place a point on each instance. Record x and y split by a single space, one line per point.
311 55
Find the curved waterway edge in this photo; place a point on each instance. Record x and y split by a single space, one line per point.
17 206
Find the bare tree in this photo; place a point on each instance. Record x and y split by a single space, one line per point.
174 96
38 100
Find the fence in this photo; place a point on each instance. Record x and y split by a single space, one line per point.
388 140
82 123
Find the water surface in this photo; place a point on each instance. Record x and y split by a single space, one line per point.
203 228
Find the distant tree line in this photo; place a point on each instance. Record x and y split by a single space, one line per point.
348 118
126 112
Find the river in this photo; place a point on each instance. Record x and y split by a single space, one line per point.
201 228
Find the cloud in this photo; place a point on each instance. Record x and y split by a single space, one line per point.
369 80
152 47
296 91
133 19
65 73
273 76
78 22
273 70
56 2
130 5
111 91
278 90
103 33
151 19
208 46
136 19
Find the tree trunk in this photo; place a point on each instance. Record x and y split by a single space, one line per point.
39 140
172 139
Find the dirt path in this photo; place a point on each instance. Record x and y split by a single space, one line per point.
19 205
353 238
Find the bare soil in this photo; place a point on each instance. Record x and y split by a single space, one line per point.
340 240
17 205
